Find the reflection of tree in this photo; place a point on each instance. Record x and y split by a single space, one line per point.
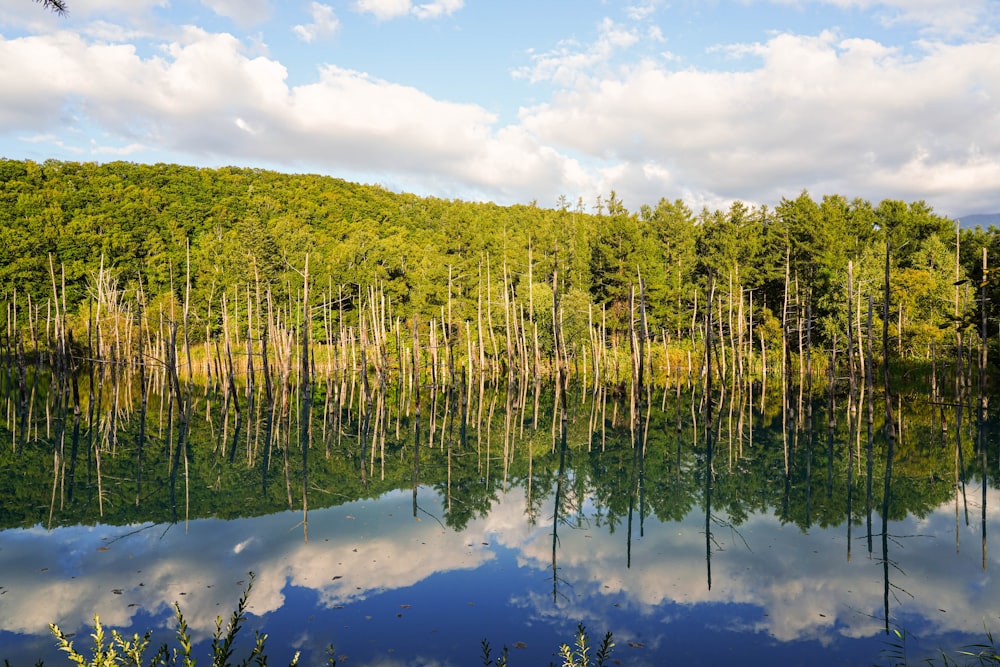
472 496
598 484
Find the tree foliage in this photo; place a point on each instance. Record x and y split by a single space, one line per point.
233 231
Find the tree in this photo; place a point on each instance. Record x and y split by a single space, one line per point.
58 6
672 225
621 250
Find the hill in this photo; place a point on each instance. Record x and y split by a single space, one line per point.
233 238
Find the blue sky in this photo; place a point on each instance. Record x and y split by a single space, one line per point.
517 101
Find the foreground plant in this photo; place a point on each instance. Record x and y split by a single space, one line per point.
973 655
488 655
986 653
579 655
118 651
576 656
131 652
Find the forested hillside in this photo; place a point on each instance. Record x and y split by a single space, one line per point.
202 234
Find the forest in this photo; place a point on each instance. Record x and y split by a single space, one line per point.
184 343
212 241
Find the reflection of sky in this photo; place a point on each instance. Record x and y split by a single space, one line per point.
804 583
772 585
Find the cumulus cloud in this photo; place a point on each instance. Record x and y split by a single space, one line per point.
204 95
813 110
396 123
324 22
828 112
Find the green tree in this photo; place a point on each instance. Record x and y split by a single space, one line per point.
673 227
623 250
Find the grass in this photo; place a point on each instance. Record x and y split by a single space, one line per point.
132 651
578 655
985 654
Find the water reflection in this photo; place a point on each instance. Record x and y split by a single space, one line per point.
798 587
692 513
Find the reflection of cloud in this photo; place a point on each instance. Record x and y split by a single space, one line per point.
69 574
802 584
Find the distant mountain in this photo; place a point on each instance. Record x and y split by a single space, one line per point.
984 220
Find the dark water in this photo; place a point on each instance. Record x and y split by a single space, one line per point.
725 529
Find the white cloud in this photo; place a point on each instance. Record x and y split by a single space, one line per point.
204 96
130 149
243 12
570 62
642 10
938 16
138 13
654 33
39 138
827 112
324 22
89 7
111 32
384 10
245 126
52 140
397 123
805 117
512 163
438 8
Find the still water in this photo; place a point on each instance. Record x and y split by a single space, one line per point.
412 528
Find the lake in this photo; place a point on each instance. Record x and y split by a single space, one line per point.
697 526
